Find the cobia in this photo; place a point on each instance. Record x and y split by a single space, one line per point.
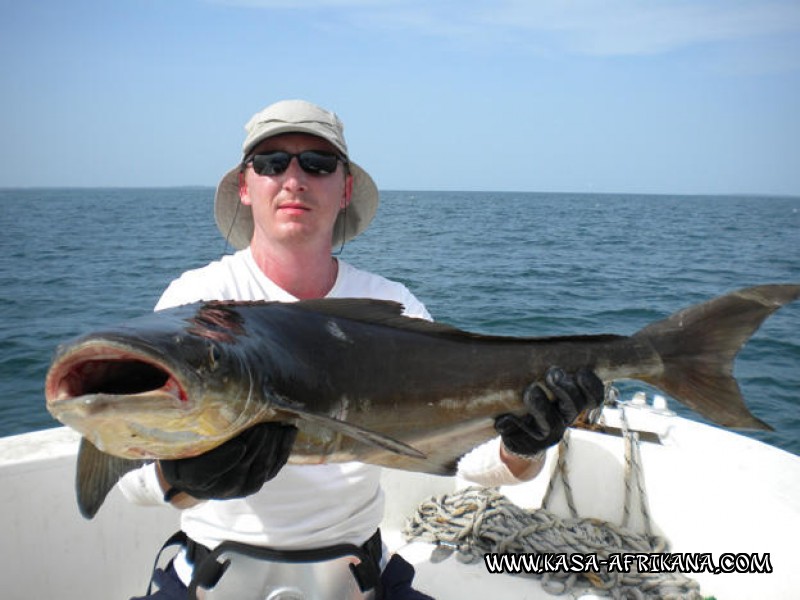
360 381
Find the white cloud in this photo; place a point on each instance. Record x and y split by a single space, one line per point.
622 27
593 27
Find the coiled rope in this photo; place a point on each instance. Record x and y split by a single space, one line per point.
476 521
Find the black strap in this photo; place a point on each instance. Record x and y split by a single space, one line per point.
179 538
369 572
208 569
196 553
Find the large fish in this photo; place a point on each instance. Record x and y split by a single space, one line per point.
361 381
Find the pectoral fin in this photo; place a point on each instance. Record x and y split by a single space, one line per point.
365 436
96 474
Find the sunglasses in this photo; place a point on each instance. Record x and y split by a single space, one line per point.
313 162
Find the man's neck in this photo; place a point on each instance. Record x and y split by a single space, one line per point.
303 272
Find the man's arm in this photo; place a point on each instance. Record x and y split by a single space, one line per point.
552 405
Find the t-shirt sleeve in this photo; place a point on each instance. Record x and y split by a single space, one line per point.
141 487
484 466
186 289
415 308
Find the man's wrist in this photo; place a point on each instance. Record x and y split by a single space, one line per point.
174 496
522 466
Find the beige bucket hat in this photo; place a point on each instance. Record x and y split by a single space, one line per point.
235 220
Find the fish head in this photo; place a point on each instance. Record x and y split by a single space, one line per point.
162 386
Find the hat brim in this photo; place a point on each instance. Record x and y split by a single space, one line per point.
309 128
235 220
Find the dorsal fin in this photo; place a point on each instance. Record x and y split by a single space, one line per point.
381 312
390 314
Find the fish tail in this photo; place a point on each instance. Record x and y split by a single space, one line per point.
698 345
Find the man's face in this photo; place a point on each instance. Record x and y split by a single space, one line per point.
295 207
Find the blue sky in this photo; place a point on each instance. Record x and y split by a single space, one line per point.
682 97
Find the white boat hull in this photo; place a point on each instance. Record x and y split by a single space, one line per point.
710 491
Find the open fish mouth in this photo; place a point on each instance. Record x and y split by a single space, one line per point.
94 377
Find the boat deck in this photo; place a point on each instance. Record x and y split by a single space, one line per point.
709 490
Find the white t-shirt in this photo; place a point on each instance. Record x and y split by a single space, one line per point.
304 506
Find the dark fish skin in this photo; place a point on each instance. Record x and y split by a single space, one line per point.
361 381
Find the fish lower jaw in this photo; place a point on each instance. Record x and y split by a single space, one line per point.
108 405
148 438
135 449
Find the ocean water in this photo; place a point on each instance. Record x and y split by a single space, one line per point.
532 264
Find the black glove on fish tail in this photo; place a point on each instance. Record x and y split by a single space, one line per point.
552 407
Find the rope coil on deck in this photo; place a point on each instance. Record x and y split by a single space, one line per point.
476 521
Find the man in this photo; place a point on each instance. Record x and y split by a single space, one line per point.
294 196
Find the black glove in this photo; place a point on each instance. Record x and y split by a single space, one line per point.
546 421
237 468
